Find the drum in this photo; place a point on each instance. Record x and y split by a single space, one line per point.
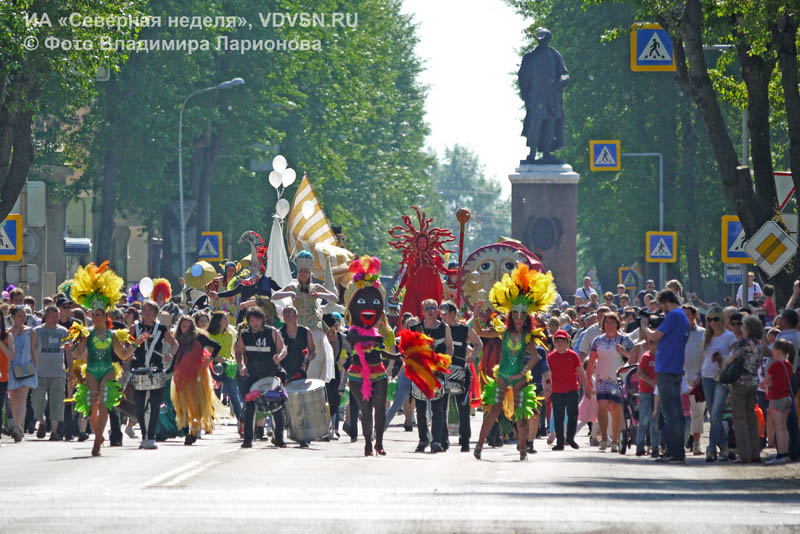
307 408
147 379
418 394
272 398
456 381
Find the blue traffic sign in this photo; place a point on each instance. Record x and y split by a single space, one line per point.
627 278
11 238
662 247
651 48
210 248
604 155
733 240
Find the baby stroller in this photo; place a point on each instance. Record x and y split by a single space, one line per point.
628 381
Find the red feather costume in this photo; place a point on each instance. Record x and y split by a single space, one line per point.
423 248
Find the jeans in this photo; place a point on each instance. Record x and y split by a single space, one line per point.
715 394
669 390
438 421
561 402
400 396
647 423
745 424
231 389
154 398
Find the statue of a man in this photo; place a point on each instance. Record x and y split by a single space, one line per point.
542 77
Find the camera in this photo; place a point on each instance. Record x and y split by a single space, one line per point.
654 319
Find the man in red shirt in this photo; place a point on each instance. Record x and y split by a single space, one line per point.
648 422
565 370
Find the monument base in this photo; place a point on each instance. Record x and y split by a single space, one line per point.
544 216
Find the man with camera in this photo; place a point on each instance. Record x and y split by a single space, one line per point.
671 336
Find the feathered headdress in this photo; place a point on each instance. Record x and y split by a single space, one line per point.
65 288
365 271
96 287
258 252
421 361
134 294
161 288
525 290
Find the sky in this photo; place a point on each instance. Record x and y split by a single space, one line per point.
470 50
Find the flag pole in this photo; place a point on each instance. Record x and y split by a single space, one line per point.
463 216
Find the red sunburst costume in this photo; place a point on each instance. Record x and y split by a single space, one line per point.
423 248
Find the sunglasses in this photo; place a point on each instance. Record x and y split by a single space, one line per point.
713 319
429 308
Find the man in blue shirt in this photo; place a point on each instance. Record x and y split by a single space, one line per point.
671 337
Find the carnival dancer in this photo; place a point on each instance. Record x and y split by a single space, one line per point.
450 285
305 294
224 282
524 292
370 337
98 289
258 350
334 388
192 386
423 248
147 370
440 332
466 344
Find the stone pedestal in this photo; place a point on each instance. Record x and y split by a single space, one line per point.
544 216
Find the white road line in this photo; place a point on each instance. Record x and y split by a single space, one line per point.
164 476
228 451
189 474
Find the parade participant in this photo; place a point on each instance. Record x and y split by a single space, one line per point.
520 294
149 360
423 248
22 378
258 283
258 351
363 299
305 294
466 344
440 332
450 286
486 324
192 387
222 283
97 289
333 322
51 373
222 332
300 349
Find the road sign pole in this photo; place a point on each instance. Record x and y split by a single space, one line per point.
660 199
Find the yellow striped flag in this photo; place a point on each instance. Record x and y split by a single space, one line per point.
315 235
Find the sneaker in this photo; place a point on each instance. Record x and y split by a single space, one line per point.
711 455
465 447
614 447
55 436
421 446
654 453
778 460
150 444
142 444
603 445
129 431
573 445
41 432
696 450
551 437
640 452
725 454
83 436
247 444
303 444
558 448
435 447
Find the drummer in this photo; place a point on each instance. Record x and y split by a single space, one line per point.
432 326
299 349
466 344
258 350
150 355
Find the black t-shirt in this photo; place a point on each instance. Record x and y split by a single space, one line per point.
459 334
438 335
140 355
294 349
259 352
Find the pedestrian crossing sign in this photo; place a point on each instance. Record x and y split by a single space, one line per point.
210 248
627 278
662 247
733 240
11 238
651 49
604 155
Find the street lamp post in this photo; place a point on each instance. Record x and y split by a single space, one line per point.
235 82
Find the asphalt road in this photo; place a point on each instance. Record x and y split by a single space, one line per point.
215 486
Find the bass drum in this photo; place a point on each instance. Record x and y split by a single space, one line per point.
272 398
456 381
307 409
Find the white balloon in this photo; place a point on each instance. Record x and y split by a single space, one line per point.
289 176
146 286
279 163
275 179
282 208
307 209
